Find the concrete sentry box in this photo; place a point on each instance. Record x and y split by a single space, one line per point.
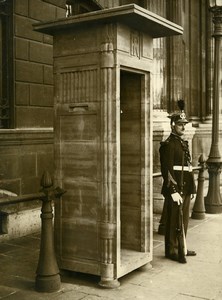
103 138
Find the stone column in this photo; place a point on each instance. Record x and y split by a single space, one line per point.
159 62
109 3
213 200
156 6
210 69
175 58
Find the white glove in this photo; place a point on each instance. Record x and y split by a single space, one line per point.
177 198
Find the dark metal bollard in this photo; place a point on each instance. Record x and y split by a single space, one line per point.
199 208
47 273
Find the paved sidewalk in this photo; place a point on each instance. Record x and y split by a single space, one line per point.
200 278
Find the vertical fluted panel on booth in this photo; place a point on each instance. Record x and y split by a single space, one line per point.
107 225
79 86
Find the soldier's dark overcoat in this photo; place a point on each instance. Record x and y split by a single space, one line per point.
178 177
172 151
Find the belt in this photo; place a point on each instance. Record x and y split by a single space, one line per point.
184 168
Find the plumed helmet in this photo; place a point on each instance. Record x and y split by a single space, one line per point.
179 116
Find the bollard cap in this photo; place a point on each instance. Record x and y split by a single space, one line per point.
46 181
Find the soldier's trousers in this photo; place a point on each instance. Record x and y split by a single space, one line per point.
171 225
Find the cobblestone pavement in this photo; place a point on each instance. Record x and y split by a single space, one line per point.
200 278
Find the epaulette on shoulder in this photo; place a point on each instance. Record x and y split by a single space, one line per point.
166 142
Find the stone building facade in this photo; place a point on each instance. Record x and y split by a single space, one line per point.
26 111
183 68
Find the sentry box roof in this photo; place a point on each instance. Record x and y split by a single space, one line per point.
132 15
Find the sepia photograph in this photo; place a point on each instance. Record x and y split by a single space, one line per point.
110 149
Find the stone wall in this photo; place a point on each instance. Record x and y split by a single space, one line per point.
26 150
33 75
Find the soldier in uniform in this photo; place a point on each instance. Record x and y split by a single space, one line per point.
178 186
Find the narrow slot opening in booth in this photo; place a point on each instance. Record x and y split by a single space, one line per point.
130 162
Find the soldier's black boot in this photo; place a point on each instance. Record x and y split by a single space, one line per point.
182 260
